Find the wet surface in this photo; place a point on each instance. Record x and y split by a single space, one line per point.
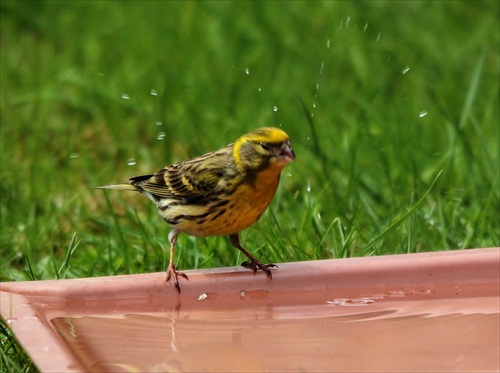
389 334
427 315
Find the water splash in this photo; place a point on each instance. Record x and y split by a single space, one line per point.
351 302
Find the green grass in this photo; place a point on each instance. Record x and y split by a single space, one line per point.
392 108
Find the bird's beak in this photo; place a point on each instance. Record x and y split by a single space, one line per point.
286 153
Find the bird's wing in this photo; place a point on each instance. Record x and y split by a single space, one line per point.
189 180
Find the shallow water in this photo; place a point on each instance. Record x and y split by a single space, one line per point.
418 312
421 329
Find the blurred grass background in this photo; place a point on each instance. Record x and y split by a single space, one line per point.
380 98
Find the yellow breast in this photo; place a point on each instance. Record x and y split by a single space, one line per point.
244 207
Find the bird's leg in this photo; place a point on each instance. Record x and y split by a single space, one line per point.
254 264
171 271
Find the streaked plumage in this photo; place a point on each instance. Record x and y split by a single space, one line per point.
219 193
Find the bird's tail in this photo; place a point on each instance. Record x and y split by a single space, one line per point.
124 186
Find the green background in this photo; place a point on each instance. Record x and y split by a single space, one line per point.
392 108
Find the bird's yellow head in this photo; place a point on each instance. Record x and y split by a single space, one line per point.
261 148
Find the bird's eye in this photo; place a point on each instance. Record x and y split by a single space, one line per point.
264 146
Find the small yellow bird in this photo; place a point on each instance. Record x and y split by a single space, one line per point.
219 193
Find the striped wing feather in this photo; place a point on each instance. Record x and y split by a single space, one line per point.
189 180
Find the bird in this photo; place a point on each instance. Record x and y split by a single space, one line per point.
219 193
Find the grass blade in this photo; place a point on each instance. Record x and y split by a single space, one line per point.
403 217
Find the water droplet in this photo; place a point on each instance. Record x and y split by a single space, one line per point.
405 70
275 108
247 71
243 293
351 302
308 188
260 89
153 92
328 43
203 296
365 27
161 136
422 114
158 123
347 22
74 155
131 162
396 294
314 105
125 96
378 38
100 74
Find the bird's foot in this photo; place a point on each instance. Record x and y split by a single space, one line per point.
173 273
254 265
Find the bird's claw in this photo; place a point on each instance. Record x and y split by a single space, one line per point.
173 273
255 265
